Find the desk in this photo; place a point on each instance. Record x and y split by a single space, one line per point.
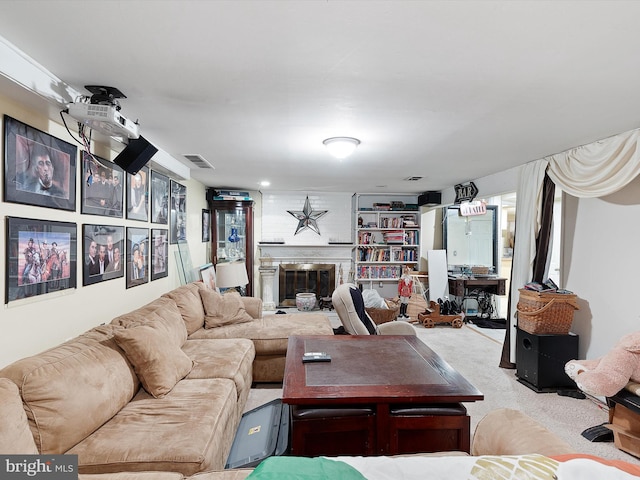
459 286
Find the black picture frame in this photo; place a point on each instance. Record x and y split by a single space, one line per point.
95 240
40 257
206 225
24 144
102 189
138 195
159 198
159 253
178 224
137 256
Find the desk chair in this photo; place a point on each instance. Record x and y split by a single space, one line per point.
349 304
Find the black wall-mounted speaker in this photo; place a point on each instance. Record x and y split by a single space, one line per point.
430 198
135 155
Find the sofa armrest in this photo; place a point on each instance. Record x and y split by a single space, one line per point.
253 306
511 432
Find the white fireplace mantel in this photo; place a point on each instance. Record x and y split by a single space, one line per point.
339 255
281 253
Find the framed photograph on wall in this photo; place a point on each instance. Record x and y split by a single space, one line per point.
102 191
40 257
38 169
159 253
138 195
137 256
159 198
206 225
102 253
178 224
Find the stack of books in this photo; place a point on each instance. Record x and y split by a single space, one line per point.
394 237
382 206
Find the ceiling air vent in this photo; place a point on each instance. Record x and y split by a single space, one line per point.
199 161
412 179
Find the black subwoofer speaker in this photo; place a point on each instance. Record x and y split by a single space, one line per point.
540 360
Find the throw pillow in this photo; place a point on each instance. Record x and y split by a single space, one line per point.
223 309
156 359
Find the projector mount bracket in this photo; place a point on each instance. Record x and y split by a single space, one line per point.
102 95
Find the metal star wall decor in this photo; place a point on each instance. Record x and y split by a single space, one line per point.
307 217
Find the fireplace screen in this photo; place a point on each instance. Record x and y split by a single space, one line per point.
318 278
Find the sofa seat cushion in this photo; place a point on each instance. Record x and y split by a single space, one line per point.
15 435
271 333
189 430
224 309
223 358
155 355
70 390
187 298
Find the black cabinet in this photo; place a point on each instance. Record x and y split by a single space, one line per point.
540 360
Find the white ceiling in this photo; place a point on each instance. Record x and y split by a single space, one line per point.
449 91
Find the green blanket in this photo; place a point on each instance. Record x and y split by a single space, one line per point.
289 468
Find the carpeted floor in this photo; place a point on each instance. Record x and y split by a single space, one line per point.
475 353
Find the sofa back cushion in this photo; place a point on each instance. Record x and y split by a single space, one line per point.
70 390
15 434
223 309
162 310
155 354
187 298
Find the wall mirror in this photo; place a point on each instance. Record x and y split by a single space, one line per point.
470 241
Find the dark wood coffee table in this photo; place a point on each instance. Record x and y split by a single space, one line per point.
379 395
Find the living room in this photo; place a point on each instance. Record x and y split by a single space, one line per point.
598 243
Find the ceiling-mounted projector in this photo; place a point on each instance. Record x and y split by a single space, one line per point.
104 118
101 112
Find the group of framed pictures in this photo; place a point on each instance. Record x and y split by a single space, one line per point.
42 255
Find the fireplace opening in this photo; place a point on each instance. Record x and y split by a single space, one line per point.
294 278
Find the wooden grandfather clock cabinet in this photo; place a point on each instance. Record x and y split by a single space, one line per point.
232 234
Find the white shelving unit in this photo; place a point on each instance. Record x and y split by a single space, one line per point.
387 236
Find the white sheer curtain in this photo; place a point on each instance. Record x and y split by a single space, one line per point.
599 168
528 212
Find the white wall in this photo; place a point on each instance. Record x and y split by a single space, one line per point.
278 225
600 264
31 325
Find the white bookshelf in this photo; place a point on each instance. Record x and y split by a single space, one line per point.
387 237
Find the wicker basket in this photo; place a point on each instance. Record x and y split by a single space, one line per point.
384 315
545 313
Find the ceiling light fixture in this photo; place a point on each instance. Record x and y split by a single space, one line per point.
341 147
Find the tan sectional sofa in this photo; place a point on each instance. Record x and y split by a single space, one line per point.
502 432
154 390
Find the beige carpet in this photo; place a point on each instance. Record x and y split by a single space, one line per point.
476 354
